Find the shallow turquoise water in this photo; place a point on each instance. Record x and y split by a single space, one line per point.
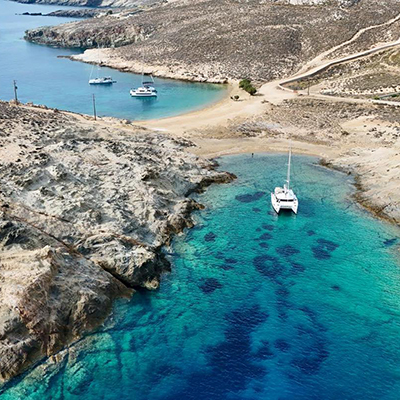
257 306
45 79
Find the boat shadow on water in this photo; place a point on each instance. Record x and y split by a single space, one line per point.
146 102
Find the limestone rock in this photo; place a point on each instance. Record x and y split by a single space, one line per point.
84 212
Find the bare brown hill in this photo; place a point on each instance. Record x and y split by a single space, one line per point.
206 39
90 3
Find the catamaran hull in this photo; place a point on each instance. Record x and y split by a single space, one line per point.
101 83
144 95
278 206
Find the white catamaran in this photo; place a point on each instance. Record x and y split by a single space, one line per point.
146 90
284 198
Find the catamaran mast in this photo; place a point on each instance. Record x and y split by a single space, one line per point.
98 60
288 170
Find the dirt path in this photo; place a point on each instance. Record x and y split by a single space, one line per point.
324 66
317 61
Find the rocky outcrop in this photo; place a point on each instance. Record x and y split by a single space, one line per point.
49 295
84 13
92 34
85 210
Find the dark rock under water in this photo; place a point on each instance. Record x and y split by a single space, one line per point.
270 326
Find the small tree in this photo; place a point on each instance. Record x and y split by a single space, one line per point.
246 85
244 82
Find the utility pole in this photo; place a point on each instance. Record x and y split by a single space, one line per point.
94 107
15 91
308 89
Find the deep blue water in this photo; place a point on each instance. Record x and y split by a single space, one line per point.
256 307
45 79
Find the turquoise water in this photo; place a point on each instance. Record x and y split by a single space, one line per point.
45 79
256 307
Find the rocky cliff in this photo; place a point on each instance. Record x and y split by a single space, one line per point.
107 31
84 212
208 40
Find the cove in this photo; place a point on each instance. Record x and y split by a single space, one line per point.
314 313
60 83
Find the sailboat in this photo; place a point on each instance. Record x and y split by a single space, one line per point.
105 80
284 198
146 90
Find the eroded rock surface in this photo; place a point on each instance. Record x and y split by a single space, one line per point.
84 211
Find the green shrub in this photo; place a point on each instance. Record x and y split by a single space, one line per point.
244 82
251 90
246 85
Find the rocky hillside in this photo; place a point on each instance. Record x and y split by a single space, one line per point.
84 212
376 76
108 31
134 3
92 3
215 40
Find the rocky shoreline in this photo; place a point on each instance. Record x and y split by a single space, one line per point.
85 210
384 212
85 13
137 67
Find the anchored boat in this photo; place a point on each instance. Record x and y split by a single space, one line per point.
106 80
146 90
284 198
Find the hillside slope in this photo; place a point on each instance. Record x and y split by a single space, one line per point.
209 40
132 3
91 3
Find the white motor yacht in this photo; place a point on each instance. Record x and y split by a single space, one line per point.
146 90
284 198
